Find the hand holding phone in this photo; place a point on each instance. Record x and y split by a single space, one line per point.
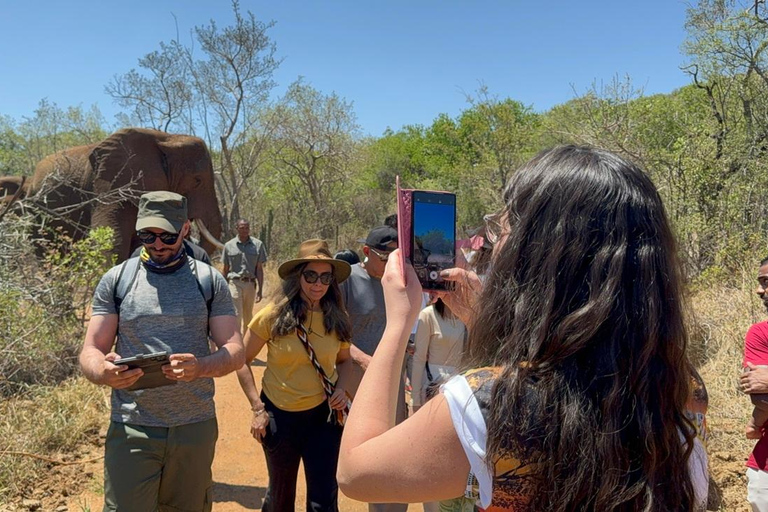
118 376
466 289
151 365
402 294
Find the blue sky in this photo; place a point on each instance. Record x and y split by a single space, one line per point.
399 61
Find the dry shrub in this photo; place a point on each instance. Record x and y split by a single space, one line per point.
54 422
43 300
721 315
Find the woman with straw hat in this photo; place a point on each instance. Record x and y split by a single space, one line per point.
302 405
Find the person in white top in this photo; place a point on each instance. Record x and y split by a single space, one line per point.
439 345
578 393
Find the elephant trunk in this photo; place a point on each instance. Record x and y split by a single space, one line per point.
207 235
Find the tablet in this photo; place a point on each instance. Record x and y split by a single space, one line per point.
152 365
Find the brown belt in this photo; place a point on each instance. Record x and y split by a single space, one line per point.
246 279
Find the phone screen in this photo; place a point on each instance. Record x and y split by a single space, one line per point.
434 237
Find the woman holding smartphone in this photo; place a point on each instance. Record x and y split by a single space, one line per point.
577 393
298 415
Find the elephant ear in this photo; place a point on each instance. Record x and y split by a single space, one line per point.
129 157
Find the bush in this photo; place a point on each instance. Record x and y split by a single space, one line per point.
44 303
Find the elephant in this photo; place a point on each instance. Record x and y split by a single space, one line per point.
98 185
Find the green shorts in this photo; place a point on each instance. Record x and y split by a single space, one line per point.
159 468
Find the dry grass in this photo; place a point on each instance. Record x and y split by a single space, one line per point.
60 423
721 316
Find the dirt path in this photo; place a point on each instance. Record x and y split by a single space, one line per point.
239 468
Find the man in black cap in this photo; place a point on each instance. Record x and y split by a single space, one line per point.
364 299
160 443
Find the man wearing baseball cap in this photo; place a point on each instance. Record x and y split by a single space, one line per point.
162 435
364 298
147 218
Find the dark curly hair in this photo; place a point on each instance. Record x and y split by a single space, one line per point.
583 312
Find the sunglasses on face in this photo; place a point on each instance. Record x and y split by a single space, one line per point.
147 237
383 256
311 277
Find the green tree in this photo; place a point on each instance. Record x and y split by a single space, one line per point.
50 129
313 155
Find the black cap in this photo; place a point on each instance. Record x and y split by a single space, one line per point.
379 238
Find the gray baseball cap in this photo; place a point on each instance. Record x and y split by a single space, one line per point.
163 210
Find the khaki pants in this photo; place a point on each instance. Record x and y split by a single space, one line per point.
243 296
159 468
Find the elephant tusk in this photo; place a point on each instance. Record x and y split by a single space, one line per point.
207 234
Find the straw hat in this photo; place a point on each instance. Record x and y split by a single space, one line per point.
312 251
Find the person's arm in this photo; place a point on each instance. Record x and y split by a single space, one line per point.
260 281
97 359
259 420
420 357
759 416
379 463
755 355
225 264
754 381
359 357
344 368
229 357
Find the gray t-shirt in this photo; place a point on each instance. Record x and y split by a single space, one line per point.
163 312
364 299
242 257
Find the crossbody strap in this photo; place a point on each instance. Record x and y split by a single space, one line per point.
338 417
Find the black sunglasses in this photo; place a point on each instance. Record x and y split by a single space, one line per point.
311 277
147 237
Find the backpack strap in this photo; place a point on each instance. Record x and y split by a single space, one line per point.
129 267
204 282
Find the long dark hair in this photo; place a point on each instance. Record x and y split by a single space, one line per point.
291 310
582 311
441 308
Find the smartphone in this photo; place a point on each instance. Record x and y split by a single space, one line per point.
152 365
433 242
